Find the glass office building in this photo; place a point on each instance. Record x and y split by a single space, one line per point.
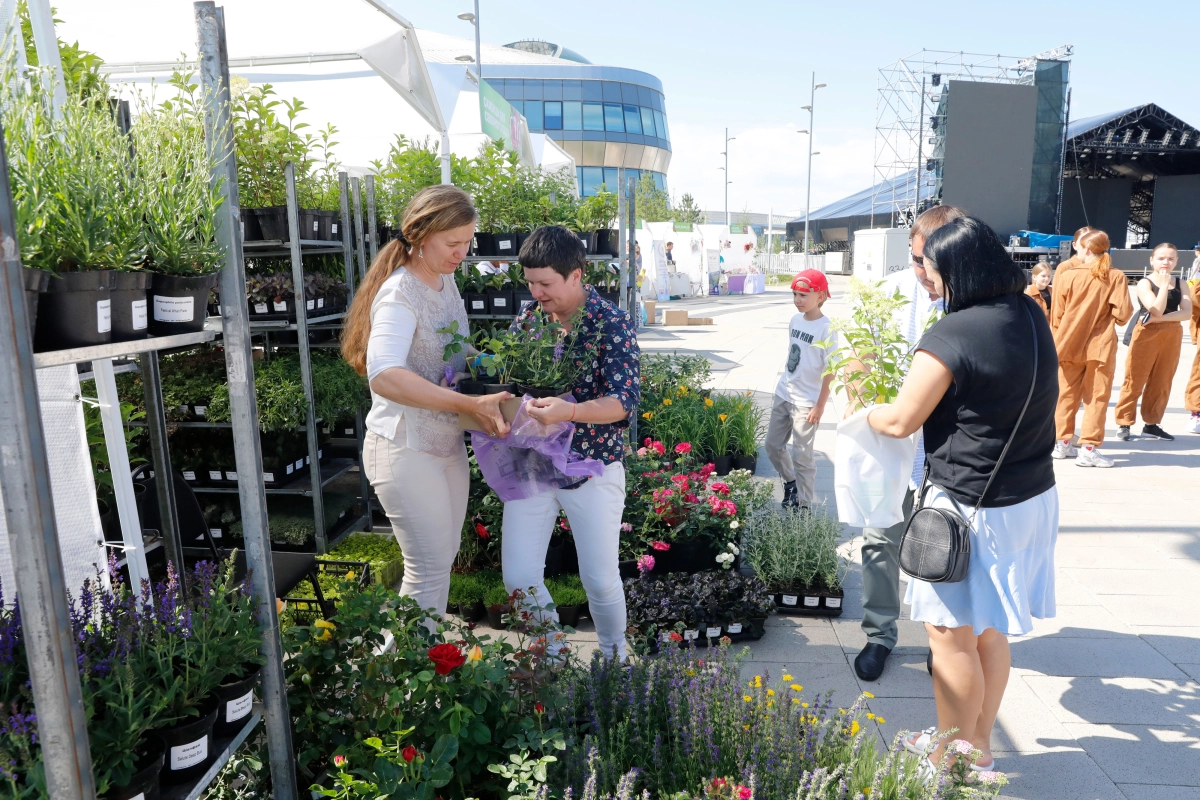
605 117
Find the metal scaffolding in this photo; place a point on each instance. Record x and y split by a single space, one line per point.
907 109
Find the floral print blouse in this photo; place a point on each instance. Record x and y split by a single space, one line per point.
615 371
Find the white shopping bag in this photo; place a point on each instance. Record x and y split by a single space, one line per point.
871 473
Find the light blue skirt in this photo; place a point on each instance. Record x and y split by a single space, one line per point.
1010 580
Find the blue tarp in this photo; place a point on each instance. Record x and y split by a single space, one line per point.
1050 240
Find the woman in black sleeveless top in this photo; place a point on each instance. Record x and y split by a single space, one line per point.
1154 348
969 380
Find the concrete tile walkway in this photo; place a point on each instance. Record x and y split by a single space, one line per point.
1104 699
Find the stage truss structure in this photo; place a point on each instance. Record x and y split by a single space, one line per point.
906 114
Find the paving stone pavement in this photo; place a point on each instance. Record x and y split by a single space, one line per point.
1104 699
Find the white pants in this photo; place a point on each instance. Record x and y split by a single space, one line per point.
425 497
594 512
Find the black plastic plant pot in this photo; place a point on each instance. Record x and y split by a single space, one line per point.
711 632
736 631
75 311
189 746
687 557
569 615
251 230
758 627
484 244
588 238
500 302
746 462
538 391
130 319
36 282
235 703
272 222
606 243
476 303
521 298
628 569
833 602
310 224
179 303
474 612
495 616
723 464
331 227
470 387
497 388
613 297
506 245
144 783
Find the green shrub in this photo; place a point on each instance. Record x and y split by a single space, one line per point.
496 596
567 591
466 590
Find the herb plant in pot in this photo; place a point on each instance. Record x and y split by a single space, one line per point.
457 343
720 434
500 295
497 601
542 355
466 597
596 216
795 554
569 598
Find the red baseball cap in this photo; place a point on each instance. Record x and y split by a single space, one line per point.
810 280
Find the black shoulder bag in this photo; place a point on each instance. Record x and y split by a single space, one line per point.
936 545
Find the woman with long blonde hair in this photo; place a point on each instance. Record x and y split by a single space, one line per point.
414 454
1090 297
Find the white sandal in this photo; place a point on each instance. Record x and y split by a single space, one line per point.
919 745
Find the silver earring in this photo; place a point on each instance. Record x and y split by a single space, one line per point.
421 252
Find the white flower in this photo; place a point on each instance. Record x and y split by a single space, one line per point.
724 558
733 548
734 525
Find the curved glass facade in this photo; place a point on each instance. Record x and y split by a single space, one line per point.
603 124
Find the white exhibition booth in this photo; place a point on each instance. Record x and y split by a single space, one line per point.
698 254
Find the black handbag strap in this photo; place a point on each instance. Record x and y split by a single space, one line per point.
1011 436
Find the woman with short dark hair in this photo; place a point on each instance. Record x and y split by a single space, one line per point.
970 378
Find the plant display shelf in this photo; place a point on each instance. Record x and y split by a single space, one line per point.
284 325
268 248
76 355
337 534
336 468
225 748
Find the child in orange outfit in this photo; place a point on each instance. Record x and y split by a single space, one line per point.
1090 297
1039 289
1191 395
1154 349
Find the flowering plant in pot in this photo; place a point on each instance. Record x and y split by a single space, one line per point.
544 356
795 554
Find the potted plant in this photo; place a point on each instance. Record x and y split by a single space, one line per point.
542 355
521 293
474 291
569 598
499 295
721 421
466 597
795 555
596 216
748 431
498 605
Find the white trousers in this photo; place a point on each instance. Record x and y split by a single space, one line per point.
425 498
594 512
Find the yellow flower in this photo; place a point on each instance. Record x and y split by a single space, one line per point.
708 402
787 677
795 687
870 715
747 698
666 401
350 575
691 673
326 634
855 728
841 711
770 692
722 417
867 791
746 727
796 701
324 623
869 695
880 720
475 653
758 680
648 415
770 703
804 705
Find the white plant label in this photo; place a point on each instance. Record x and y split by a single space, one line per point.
665 636
310 305
240 707
789 599
712 633
504 244
139 796
689 636
477 304
334 229
215 475
734 627
201 410
320 302
269 476
279 306
349 431
138 307
188 475
316 225
174 309
501 302
833 602
214 533
260 308
187 755
812 602
299 463
231 476
291 468
103 316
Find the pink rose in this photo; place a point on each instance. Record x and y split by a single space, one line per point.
661 546
744 793
645 563
683 448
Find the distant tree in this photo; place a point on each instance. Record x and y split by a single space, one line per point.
687 211
652 202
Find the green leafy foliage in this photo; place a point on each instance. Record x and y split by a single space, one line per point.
686 211
651 202
795 550
567 590
339 392
598 211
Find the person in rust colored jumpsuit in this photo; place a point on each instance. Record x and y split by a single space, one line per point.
1191 395
1154 349
1039 290
1090 297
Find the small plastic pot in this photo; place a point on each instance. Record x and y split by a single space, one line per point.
179 303
569 615
495 616
507 245
485 244
470 387
144 783
189 746
36 282
330 226
723 464
130 319
75 311
500 302
746 462
235 703
520 298
476 303
474 612
537 391
272 222
606 243
497 388
251 230
310 224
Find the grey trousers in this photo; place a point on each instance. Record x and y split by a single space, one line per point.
789 424
881 579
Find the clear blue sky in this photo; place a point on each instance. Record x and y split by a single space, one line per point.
747 66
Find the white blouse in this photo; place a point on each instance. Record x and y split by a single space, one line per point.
405 318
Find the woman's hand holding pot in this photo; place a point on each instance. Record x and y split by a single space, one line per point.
487 411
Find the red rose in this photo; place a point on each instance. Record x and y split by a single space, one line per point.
663 546
482 531
409 753
445 657
683 448
538 708
675 637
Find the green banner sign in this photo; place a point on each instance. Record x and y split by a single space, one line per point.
683 227
739 228
500 121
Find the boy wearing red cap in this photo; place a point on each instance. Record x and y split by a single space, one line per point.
802 391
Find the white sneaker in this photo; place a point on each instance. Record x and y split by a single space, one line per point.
1090 457
1194 425
1064 450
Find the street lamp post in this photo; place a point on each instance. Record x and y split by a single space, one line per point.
808 192
725 153
474 20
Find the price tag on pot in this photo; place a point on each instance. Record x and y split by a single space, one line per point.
320 302
230 476
103 316
833 602
201 410
291 468
215 475
665 636
299 463
188 755
278 305
811 602
188 475
316 225
689 636
712 633
334 229
174 309
477 305
349 431
269 477
790 599
501 302
734 627
310 304
240 707
504 244
138 308
214 533
260 308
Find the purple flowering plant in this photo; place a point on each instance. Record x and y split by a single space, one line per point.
546 354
